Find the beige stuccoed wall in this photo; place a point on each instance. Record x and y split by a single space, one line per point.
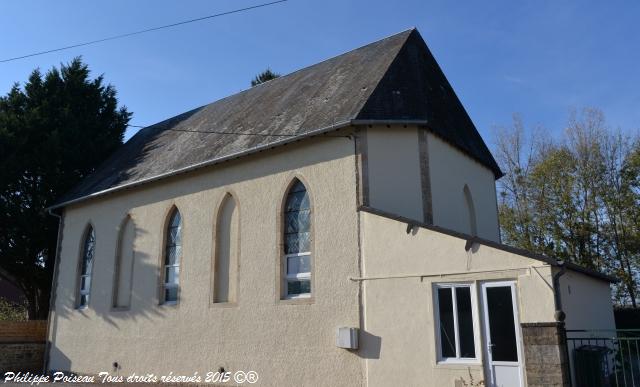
287 343
450 170
393 164
586 302
399 337
393 180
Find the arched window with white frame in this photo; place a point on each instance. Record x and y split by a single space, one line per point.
172 257
297 242
86 267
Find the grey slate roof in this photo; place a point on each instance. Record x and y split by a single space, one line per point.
394 79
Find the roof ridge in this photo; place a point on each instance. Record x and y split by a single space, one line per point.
283 77
334 57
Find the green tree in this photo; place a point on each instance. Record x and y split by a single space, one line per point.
53 132
576 198
264 76
620 195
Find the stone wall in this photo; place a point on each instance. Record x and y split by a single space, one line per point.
21 357
545 355
22 345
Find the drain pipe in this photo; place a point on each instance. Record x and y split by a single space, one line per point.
559 314
560 329
52 316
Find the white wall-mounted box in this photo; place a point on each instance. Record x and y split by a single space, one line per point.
347 338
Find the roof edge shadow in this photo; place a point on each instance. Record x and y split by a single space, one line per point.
488 243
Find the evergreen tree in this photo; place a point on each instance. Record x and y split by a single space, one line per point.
53 132
264 76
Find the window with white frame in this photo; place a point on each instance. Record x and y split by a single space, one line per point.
455 314
172 256
297 241
86 267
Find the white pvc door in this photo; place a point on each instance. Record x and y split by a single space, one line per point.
501 335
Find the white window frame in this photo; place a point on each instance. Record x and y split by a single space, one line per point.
88 276
296 276
85 292
474 318
171 285
165 283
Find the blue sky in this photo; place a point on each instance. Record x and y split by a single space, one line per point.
536 58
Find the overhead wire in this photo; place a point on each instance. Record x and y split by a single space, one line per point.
233 133
120 36
239 133
160 28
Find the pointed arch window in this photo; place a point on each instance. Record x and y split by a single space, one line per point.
297 242
86 267
125 255
227 248
172 256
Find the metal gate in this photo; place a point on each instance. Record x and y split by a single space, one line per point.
608 358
